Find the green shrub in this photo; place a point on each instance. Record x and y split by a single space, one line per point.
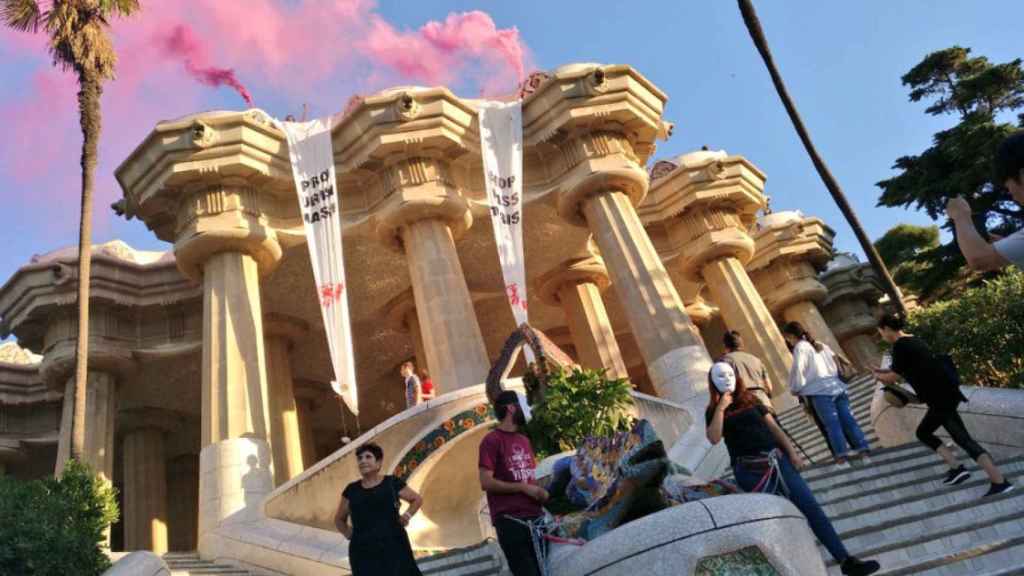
577 404
56 526
982 329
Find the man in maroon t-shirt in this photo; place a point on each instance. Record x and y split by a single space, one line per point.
507 471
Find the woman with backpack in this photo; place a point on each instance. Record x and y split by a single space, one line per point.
935 382
815 377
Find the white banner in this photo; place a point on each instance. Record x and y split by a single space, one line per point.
501 145
309 144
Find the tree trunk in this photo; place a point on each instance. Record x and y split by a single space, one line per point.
757 35
89 118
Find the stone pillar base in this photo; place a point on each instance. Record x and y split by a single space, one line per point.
686 369
235 475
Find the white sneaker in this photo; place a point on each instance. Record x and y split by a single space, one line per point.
842 465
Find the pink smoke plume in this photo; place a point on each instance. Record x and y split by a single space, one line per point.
299 51
182 43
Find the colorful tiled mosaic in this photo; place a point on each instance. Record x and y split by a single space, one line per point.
749 561
438 437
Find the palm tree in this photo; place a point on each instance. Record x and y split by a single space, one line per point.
757 35
78 41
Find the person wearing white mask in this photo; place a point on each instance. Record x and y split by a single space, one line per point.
763 459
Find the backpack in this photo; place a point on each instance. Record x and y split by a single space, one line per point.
948 369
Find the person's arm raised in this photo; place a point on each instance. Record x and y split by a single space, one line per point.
980 255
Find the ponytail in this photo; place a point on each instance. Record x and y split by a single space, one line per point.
797 330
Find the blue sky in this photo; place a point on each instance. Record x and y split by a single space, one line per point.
841 60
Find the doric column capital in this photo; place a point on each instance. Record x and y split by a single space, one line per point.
706 202
12 450
584 270
223 216
593 128
214 182
790 250
105 355
410 153
417 188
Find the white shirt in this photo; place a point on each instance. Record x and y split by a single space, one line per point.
814 373
1012 248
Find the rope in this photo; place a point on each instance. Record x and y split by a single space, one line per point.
541 531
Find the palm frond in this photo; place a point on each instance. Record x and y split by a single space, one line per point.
21 15
118 7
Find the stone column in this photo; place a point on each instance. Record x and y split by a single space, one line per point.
182 511
706 205
851 308
280 334
791 249
216 185
453 344
235 462
145 478
308 396
591 129
422 215
576 286
669 342
100 407
402 316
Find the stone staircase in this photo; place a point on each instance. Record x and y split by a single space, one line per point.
483 559
190 564
896 509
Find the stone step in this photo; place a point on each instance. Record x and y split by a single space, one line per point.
190 564
1000 557
876 517
950 541
805 428
906 484
478 560
883 460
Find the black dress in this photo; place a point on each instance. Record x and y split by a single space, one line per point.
379 546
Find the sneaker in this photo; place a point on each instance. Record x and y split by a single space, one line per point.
842 465
956 476
997 489
854 567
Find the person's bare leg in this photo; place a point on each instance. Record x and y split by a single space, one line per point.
994 475
948 456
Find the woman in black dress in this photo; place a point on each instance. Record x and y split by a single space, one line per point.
378 543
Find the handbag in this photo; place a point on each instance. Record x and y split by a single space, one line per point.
846 371
899 397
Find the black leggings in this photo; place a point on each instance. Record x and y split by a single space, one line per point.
949 419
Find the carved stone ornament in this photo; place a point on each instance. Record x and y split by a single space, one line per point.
532 83
202 135
407 107
662 168
11 353
259 117
715 170
596 82
353 102
62 273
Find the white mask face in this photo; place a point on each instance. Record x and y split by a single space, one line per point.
723 377
524 406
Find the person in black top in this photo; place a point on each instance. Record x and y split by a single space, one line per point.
763 459
915 362
378 543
